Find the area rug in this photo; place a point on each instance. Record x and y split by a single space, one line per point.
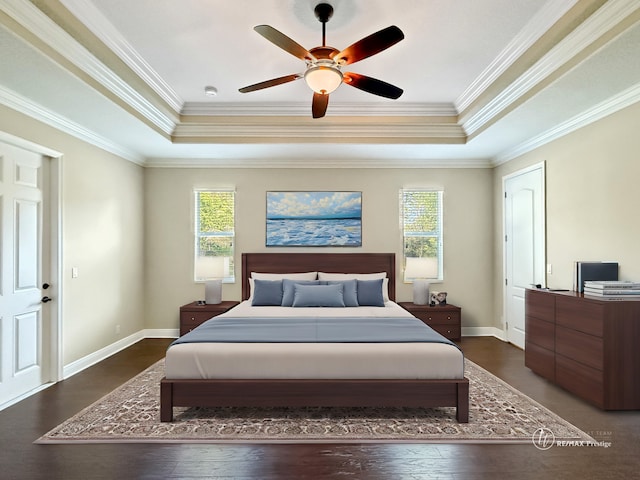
498 413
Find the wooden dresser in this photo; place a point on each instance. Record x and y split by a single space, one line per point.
192 314
444 319
587 345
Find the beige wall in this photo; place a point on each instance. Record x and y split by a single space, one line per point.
468 234
592 180
102 230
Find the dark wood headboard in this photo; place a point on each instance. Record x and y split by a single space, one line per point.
319 262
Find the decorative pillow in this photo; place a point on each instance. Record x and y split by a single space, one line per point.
370 293
278 276
318 296
349 290
268 293
288 289
359 276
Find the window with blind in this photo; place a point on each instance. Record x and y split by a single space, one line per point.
214 235
422 234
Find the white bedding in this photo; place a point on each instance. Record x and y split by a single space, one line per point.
315 360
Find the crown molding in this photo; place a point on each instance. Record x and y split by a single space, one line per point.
257 109
333 163
537 26
51 34
88 14
350 131
603 109
25 106
602 21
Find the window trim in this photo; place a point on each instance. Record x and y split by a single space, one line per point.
439 232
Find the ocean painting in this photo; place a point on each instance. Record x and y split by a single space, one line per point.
314 219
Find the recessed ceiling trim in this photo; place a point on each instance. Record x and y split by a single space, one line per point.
337 109
422 133
333 163
47 31
549 14
602 21
41 114
599 111
88 14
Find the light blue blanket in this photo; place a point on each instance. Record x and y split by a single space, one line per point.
312 330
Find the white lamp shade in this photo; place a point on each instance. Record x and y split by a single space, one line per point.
210 267
213 291
421 267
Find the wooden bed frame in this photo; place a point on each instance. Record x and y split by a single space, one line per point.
321 393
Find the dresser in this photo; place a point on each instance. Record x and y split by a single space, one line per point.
192 314
587 345
444 319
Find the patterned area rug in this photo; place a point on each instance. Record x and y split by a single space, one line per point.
498 413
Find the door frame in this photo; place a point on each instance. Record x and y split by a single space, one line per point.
52 234
541 166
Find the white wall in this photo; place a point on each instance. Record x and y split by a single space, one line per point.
102 230
468 221
592 180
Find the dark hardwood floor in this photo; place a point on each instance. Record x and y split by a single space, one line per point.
24 422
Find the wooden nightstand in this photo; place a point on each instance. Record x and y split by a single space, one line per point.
192 314
444 319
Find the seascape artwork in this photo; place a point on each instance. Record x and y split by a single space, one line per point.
314 219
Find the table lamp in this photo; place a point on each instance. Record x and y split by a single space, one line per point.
419 269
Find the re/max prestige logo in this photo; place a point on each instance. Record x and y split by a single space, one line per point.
544 439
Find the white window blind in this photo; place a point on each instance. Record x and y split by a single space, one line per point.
422 234
214 235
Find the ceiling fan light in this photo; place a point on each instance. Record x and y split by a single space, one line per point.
323 79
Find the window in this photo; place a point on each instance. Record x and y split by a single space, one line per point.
422 234
214 234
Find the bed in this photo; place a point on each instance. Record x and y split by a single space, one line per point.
321 373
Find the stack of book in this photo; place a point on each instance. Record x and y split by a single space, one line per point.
617 289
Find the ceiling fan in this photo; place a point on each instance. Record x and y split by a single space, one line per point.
323 73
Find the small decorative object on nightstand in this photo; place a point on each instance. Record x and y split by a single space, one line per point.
194 313
444 319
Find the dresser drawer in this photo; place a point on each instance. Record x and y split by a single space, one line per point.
540 332
438 317
540 360
584 381
581 347
583 316
540 305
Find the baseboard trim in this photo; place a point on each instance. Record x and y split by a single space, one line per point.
483 332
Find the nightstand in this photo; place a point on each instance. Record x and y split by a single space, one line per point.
444 319
192 314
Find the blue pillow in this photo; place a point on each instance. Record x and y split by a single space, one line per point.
318 296
370 293
288 289
349 290
267 293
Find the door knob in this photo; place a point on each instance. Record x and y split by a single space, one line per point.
46 299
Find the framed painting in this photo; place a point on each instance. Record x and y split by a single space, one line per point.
314 219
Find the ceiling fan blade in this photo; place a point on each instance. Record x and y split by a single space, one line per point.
281 40
270 83
368 46
319 105
372 85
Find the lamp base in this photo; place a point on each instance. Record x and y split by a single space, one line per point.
213 291
420 292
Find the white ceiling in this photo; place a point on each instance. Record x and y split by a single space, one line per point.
483 80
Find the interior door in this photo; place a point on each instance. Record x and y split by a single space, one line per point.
24 327
524 225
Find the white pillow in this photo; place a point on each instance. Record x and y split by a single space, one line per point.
278 276
359 276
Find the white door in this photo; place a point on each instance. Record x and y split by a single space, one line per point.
524 226
24 329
